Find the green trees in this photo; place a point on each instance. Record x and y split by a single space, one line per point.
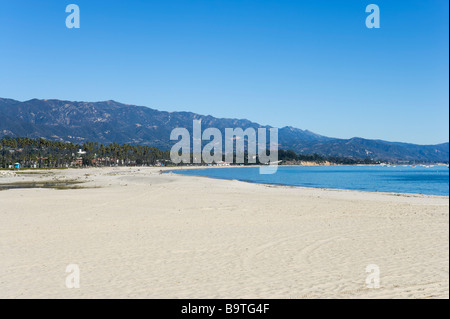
291 156
44 153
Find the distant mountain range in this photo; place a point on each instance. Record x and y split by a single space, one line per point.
110 121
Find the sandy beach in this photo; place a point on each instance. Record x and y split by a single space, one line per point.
137 233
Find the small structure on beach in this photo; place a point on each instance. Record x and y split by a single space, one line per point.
17 166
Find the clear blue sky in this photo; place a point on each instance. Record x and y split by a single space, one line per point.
308 64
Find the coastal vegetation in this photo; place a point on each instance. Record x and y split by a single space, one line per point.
290 157
44 153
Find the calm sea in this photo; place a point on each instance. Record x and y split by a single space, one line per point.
399 179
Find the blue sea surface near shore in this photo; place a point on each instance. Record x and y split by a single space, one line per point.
428 180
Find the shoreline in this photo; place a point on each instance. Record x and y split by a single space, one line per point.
302 187
169 170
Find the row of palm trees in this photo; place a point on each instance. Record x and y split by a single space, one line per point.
46 153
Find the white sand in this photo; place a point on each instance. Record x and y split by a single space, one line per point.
147 235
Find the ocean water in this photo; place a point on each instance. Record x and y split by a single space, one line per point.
398 179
